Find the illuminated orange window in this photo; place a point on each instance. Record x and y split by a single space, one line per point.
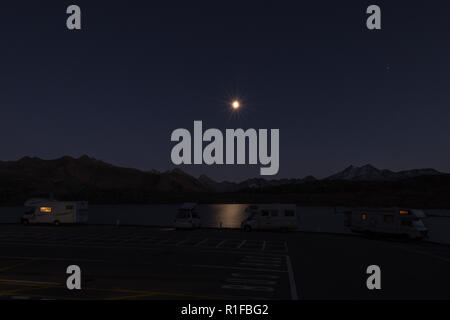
364 217
404 212
45 209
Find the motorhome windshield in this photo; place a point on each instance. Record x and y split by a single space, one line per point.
419 224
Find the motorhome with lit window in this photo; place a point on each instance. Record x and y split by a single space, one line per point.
392 221
55 212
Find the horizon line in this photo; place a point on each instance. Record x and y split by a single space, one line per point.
218 181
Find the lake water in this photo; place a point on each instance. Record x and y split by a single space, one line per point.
312 219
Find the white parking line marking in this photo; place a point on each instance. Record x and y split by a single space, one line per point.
249 288
292 284
263 257
259 264
263 246
49 259
201 242
252 281
261 260
237 268
262 276
151 247
181 242
241 244
221 243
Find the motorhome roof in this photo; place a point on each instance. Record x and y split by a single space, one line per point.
37 201
42 202
396 210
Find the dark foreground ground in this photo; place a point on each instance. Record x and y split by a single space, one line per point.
162 263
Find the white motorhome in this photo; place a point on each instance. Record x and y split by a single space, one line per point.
271 216
392 221
187 217
55 212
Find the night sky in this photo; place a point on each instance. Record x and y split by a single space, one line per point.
339 93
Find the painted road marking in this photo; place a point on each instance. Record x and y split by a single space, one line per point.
249 282
243 275
292 283
182 241
129 239
259 264
263 257
261 282
119 291
237 268
152 247
221 243
49 259
249 288
201 242
252 281
248 259
231 243
241 244
260 260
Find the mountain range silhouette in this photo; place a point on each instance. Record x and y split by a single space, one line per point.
88 178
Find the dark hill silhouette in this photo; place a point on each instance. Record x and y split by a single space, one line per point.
370 173
89 178
100 182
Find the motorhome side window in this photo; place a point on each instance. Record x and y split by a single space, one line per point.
264 213
274 213
388 218
289 213
45 209
69 207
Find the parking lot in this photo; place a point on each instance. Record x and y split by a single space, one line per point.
142 237
224 267
162 263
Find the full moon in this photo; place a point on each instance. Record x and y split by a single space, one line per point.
235 104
